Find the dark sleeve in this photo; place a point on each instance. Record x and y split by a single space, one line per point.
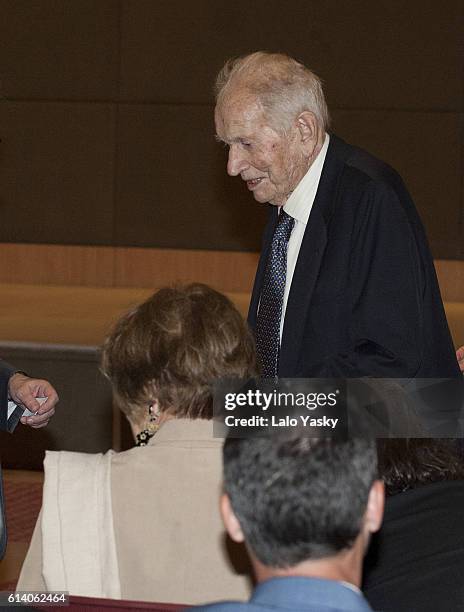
3 533
387 336
386 277
6 371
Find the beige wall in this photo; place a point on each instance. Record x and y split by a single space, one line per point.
107 133
132 267
87 266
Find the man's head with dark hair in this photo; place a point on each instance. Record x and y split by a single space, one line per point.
302 503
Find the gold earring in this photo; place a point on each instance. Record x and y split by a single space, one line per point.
141 439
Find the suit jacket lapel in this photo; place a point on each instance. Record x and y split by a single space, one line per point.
310 259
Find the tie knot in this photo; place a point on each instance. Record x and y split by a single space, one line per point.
284 226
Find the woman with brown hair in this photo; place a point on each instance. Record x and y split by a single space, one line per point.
143 524
416 560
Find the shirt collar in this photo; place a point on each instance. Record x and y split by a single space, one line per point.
301 200
308 593
351 586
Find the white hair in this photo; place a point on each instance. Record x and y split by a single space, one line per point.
284 87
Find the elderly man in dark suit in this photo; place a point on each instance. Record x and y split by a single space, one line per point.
346 285
18 392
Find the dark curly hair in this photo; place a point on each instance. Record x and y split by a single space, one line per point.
412 462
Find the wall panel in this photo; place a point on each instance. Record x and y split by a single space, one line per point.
57 265
56 172
98 267
55 49
89 82
226 271
173 190
380 54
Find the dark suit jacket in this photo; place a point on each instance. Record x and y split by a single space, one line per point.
416 561
3 534
364 299
5 372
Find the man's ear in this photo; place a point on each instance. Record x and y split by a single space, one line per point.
230 520
308 129
375 506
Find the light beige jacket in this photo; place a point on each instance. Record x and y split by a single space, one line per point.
158 538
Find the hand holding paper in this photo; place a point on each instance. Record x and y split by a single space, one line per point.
28 392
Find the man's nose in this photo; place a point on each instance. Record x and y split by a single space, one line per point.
236 162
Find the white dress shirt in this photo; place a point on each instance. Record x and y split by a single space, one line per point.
299 206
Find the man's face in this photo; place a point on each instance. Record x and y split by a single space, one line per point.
271 164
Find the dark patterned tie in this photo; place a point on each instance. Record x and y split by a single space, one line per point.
272 296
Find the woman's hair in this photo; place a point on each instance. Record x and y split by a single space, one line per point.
173 347
406 458
408 463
